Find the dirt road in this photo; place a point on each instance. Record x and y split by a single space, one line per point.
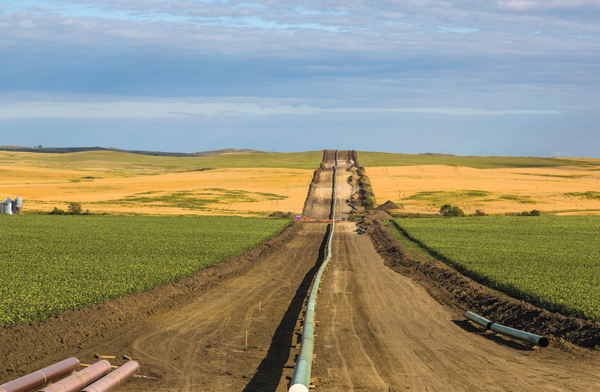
378 330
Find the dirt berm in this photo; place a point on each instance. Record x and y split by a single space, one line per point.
454 289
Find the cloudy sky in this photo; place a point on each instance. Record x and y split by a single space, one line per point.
468 77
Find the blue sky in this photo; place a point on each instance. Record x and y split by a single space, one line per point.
470 77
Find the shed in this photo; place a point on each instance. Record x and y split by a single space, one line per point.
6 207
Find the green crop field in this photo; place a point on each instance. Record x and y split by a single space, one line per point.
550 261
50 264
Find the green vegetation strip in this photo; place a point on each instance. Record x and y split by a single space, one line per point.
384 159
50 264
125 163
550 261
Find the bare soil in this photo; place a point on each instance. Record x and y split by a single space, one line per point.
385 323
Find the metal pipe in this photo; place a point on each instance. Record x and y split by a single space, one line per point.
520 335
81 378
301 377
513 333
41 377
115 379
477 319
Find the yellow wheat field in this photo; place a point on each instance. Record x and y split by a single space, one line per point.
131 185
425 189
43 189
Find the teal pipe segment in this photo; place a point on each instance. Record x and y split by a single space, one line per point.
301 378
477 319
520 335
507 331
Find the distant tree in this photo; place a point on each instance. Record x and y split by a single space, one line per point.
479 213
57 211
534 213
74 208
448 210
525 213
445 209
455 211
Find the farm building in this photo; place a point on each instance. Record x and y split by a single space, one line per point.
10 206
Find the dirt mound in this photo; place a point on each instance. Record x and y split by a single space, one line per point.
378 216
280 214
450 287
388 205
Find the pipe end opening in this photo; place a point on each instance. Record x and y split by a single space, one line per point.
544 342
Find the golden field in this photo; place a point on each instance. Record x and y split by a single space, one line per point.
259 184
424 189
221 191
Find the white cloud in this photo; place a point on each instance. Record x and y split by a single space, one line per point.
182 109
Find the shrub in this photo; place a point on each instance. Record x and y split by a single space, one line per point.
57 211
524 213
534 213
479 213
448 210
455 211
368 203
75 208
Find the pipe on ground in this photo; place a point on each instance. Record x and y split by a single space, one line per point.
301 378
527 337
115 379
80 379
41 377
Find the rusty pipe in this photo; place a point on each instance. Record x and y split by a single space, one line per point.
115 379
41 377
80 379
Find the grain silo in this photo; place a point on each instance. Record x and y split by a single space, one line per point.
7 206
18 205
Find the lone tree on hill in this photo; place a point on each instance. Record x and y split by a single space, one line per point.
75 208
448 210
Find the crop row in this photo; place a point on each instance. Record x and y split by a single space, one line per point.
50 264
550 261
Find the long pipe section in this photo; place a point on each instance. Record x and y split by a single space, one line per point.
41 377
513 333
80 379
301 378
115 379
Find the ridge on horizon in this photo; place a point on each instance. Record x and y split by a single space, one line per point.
66 150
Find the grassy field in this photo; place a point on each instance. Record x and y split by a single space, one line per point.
384 159
111 164
549 261
55 263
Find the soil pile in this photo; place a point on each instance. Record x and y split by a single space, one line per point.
388 205
378 216
451 288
